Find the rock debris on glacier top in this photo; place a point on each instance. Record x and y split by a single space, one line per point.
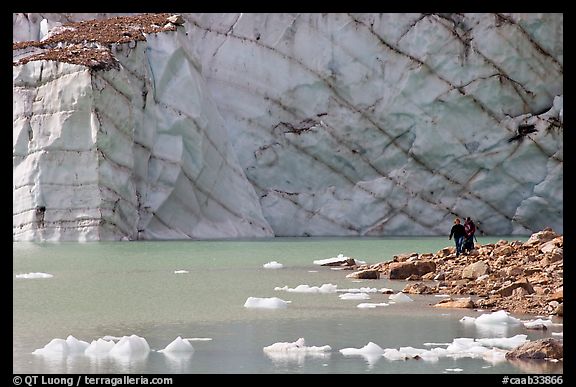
88 42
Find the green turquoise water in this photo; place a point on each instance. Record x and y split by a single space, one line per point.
124 288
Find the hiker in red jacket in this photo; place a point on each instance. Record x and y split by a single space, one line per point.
469 229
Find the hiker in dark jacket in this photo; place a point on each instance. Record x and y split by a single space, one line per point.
459 234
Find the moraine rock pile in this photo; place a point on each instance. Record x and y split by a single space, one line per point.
515 276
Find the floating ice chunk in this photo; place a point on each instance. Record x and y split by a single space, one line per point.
504 342
465 347
495 355
265 303
500 317
178 345
181 272
339 258
99 347
354 296
370 352
441 295
468 320
54 347
454 369
370 348
400 297
370 305
325 288
297 346
133 345
537 324
34 275
273 265
70 346
561 334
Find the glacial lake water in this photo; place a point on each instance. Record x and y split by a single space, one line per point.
125 288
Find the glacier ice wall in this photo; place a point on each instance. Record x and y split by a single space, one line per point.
135 153
392 124
343 124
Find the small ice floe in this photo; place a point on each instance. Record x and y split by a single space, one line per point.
61 347
339 259
371 352
178 345
312 271
354 296
400 297
500 317
273 265
537 324
181 272
130 346
560 334
297 346
371 305
494 355
454 369
265 303
296 351
504 342
431 344
34 275
441 295
493 323
325 288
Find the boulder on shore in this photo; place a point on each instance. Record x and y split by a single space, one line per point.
542 349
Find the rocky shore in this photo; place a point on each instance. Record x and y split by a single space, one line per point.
519 277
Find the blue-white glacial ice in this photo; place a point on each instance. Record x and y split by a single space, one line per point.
249 125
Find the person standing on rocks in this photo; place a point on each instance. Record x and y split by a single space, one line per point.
459 234
469 229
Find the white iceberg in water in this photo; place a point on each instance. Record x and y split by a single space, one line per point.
178 345
297 346
400 297
181 272
63 347
273 265
339 258
500 317
504 342
371 352
133 345
354 296
325 288
265 303
296 351
34 275
538 324
370 348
